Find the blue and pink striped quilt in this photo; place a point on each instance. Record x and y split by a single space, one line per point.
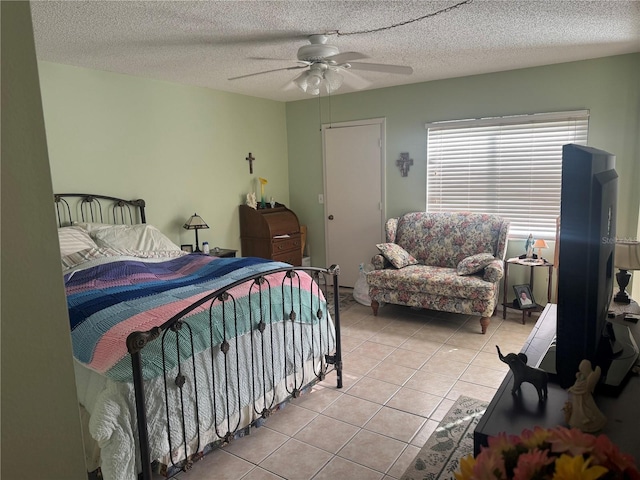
108 301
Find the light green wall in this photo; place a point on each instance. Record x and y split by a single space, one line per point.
180 148
608 87
41 436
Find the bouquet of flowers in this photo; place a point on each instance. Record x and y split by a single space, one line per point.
558 453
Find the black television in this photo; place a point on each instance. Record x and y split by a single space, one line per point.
586 266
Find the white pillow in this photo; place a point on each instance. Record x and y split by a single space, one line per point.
133 237
91 227
73 239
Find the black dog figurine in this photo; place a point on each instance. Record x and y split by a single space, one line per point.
524 373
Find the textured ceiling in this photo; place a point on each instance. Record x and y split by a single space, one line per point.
204 43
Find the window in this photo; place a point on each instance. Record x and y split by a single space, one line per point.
508 166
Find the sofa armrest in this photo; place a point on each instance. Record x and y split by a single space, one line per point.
379 262
494 271
390 229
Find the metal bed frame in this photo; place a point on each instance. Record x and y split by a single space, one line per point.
88 207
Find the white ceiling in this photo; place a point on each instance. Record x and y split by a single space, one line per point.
204 43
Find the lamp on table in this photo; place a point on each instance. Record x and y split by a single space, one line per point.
196 223
627 257
540 244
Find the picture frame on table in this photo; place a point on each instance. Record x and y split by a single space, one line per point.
187 248
524 297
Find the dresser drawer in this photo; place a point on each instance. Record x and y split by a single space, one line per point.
294 257
286 244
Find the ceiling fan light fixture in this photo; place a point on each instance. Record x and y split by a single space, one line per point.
314 79
311 80
333 80
301 81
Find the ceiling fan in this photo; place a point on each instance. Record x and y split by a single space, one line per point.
325 66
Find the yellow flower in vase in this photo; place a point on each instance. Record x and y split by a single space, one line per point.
263 182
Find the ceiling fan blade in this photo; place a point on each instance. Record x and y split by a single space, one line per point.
288 86
354 81
269 58
345 57
382 67
297 67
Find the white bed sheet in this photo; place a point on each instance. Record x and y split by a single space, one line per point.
111 405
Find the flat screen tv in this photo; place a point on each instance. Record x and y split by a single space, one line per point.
585 267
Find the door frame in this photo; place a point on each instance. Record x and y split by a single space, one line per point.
382 122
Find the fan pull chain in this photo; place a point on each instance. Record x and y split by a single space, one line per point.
330 122
320 111
406 22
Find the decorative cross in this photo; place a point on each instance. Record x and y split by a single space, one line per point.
250 159
404 162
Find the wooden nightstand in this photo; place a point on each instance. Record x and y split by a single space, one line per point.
222 252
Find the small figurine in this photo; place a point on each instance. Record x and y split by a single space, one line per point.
528 246
273 203
524 373
583 412
251 200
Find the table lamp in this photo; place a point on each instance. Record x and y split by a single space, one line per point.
196 223
627 257
540 244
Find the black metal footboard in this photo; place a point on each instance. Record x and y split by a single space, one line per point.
266 346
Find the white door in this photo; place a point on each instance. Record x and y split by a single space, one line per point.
354 217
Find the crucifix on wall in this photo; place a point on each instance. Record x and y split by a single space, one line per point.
250 159
404 162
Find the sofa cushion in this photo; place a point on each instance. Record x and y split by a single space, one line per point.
431 280
468 306
474 263
397 255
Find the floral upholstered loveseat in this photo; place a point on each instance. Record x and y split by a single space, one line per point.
450 262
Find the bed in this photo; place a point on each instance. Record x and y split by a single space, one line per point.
176 354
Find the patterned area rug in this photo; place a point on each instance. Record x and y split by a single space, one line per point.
346 298
452 440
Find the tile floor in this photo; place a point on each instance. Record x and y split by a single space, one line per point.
402 372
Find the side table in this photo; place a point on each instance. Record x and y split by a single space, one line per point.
532 267
620 309
223 252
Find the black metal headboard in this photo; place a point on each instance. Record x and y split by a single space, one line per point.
88 207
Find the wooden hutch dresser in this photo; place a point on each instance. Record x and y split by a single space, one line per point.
272 233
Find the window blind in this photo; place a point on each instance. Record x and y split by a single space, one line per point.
508 166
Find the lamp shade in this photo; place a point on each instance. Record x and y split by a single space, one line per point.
333 80
540 243
318 75
195 222
309 81
627 255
